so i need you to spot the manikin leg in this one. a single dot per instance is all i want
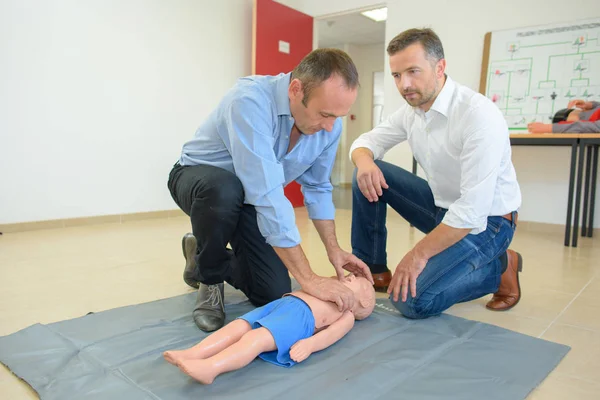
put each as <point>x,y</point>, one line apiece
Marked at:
<point>234,357</point>
<point>212,344</point>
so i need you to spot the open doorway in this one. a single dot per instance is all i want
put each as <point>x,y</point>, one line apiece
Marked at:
<point>362,36</point>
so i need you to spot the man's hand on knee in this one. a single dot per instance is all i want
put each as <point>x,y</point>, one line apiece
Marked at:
<point>406,275</point>
<point>371,181</point>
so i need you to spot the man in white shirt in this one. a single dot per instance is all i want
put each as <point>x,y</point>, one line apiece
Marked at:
<point>468,204</point>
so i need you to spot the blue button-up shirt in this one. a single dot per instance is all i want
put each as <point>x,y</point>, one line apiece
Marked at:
<point>249,134</point>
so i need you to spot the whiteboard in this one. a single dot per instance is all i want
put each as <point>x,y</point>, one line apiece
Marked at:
<point>531,73</point>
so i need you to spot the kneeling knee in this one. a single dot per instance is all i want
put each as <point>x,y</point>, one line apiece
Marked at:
<point>268,294</point>
<point>227,193</point>
<point>413,308</point>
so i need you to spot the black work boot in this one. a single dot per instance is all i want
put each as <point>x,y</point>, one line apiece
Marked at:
<point>189,246</point>
<point>209,311</point>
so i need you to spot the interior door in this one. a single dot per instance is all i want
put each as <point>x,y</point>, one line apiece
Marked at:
<point>281,37</point>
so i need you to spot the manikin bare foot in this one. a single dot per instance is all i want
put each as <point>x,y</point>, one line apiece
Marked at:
<point>175,356</point>
<point>200,370</point>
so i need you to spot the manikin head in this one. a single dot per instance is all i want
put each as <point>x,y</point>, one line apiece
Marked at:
<point>418,66</point>
<point>322,88</point>
<point>364,295</point>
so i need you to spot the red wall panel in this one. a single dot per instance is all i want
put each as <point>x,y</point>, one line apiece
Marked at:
<point>274,22</point>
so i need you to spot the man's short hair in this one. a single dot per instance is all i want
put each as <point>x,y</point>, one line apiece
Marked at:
<point>427,37</point>
<point>319,65</point>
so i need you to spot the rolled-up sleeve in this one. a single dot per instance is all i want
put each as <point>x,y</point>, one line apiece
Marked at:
<point>316,181</point>
<point>484,140</point>
<point>249,126</point>
<point>384,136</point>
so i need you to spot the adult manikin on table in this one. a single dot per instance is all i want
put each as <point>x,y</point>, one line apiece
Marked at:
<point>283,332</point>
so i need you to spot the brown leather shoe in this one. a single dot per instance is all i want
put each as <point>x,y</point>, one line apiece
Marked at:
<point>382,281</point>
<point>509,292</point>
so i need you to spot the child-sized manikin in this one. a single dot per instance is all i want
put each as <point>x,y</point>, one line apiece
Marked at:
<point>284,332</point>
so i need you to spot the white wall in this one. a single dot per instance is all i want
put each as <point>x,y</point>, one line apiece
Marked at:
<point>368,59</point>
<point>340,164</point>
<point>97,98</point>
<point>542,172</point>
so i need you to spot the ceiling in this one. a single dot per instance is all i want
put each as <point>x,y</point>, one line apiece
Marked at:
<point>350,29</point>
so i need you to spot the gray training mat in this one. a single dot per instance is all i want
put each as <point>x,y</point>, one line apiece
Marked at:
<point>117,354</point>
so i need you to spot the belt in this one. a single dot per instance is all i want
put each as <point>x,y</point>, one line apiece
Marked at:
<point>509,217</point>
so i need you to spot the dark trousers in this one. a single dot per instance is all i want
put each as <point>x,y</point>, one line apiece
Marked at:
<point>213,198</point>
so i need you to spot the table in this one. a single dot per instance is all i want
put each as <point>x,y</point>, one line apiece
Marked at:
<point>579,143</point>
<point>591,141</point>
<point>558,139</point>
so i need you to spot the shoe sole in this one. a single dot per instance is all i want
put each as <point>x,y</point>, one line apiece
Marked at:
<point>519,270</point>
<point>189,282</point>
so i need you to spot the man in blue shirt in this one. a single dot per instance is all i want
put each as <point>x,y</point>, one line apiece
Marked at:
<point>266,132</point>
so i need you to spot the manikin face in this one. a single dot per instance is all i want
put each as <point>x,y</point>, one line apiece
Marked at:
<point>418,78</point>
<point>357,285</point>
<point>326,102</point>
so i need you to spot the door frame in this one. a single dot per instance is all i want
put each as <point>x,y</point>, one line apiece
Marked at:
<point>339,14</point>
<point>340,155</point>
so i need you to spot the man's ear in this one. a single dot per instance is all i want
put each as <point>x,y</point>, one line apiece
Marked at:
<point>440,68</point>
<point>295,89</point>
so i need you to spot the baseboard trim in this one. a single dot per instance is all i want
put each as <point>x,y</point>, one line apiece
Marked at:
<point>542,227</point>
<point>537,227</point>
<point>103,219</point>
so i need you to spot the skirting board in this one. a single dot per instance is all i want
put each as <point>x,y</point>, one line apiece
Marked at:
<point>103,219</point>
<point>538,227</point>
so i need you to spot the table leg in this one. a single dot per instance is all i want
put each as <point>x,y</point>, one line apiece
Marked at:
<point>578,195</point>
<point>586,195</point>
<point>570,201</point>
<point>593,194</point>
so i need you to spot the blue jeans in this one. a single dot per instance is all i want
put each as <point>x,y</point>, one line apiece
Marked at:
<point>465,271</point>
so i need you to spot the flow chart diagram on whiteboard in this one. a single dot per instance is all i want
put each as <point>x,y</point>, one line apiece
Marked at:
<point>531,73</point>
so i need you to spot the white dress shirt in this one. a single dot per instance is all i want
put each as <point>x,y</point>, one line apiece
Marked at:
<point>463,145</point>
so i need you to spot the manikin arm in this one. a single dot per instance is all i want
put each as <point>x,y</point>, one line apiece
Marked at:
<point>302,349</point>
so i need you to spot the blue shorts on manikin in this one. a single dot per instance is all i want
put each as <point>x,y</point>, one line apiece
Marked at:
<point>289,320</point>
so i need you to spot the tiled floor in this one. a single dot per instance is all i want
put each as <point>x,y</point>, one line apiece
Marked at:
<point>52,275</point>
